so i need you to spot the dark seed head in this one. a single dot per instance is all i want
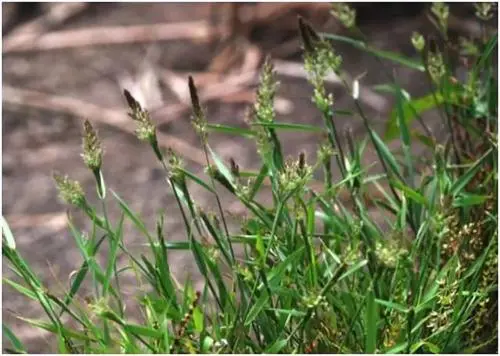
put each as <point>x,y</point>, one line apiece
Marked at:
<point>132,103</point>
<point>308,35</point>
<point>195,101</point>
<point>302,160</point>
<point>235,169</point>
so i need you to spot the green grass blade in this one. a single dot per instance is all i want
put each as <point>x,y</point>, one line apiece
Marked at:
<point>76,284</point>
<point>7,234</point>
<point>258,182</point>
<point>405,136</point>
<point>386,154</point>
<point>276,347</point>
<point>256,309</point>
<point>115,241</point>
<point>23,290</point>
<point>465,200</point>
<point>172,245</point>
<point>226,173</point>
<point>394,57</point>
<point>16,343</point>
<point>225,129</point>
<point>290,126</point>
<point>353,269</point>
<point>132,216</point>
<point>409,110</point>
<point>291,312</point>
<point>460,183</point>
<point>371,328</point>
<point>141,330</point>
<point>197,180</point>
<point>410,193</point>
<point>429,347</point>
<point>53,329</point>
<point>487,52</point>
<point>392,305</point>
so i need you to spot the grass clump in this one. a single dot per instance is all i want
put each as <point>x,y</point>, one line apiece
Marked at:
<point>316,274</point>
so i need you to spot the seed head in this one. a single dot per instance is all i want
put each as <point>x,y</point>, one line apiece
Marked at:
<point>442,12</point>
<point>92,150</point>
<point>146,130</point>
<point>199,121</point>
<point>175,164</point>
<point>484,10</point>
<point>418,41</point>
<point>263,110</point>
<point>308,35</point>
<point>325,151</point>
<point>345,14</point>
<point>70,191</point>
<point>195,101</point>
<point>302,161</point>
<point>235,169</point>
<point>294,175</point>
<point>436,66</point>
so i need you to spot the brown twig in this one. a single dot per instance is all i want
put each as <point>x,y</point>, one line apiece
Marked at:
<point>112,117</point>
<point>55,15</point>
<point>196,30</point>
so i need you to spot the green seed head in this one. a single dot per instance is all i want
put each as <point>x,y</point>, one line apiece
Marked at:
<point>175,164</point>
<point>484,10</point>
<point>199,120</point>
<point>418,41</point>
<point>294,175</point>
<point>70,191</point>
<point>263,110</point>
<point>146,130</point>
<point>345,14</point>
<point>92,150</point>
<point>442,12</point>
<point>235,169</point>
<point>436,66</point>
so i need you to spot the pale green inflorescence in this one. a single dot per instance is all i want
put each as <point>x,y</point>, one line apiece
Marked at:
<point>92,148</point>
<point>442,12</point>
<point>295,175</point>
<point>436,66</point>
<point>418,41</point>
<point>345,14</point>
<point>320,60</point>
<point>263,109</point>
<point>70,191</point>
<point>199,119</point>
<point>484,10</point>
<point>146,130</point>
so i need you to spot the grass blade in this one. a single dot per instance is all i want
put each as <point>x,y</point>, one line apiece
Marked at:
<point>16,343</point>
<point>371,323</point>
<point>394,57</point>
<point>7,234</point>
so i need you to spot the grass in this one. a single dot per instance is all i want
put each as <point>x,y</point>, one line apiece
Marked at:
<point>315,275</point>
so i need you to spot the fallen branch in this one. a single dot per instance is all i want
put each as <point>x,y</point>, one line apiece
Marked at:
<point>55,15</point>
<point>195,30</point>
<point>112,117</point>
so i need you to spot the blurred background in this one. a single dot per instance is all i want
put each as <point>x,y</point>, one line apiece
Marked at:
<point>66,62</point>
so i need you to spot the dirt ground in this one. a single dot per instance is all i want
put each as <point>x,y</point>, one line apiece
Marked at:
<point>51,85</point>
